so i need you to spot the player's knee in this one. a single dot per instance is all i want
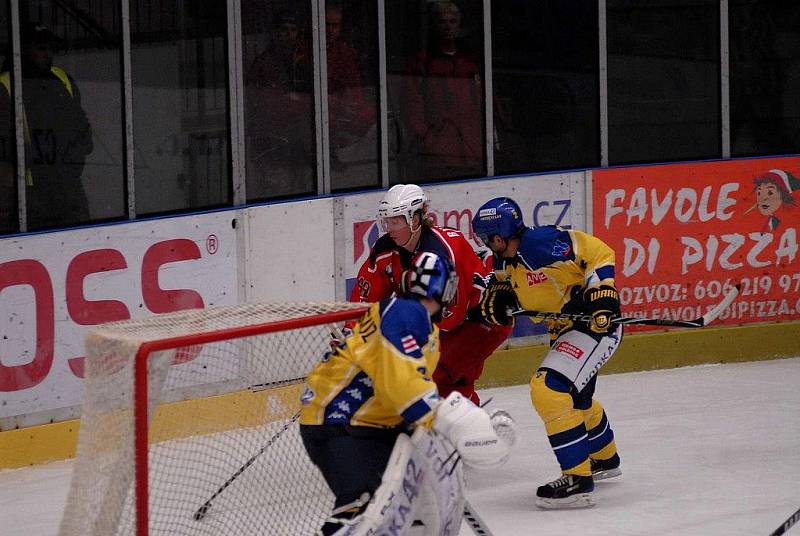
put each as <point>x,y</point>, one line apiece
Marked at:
<point>550,396</point>
<point>593,415</point>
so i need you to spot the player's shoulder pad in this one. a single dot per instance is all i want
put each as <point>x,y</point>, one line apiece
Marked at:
<point>541,246</point>
<point>384,244</point>
<point>453,237</point>
<point>434,241</point>
<point>406,324</point>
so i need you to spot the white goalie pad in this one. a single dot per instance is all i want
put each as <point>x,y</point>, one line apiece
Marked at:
<point>421,482</point>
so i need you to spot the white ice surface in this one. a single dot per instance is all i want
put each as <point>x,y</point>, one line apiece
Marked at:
<point>709,450</point>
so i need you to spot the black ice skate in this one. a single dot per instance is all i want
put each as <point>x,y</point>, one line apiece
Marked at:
<point>569,491</point>
<point>603,469</point>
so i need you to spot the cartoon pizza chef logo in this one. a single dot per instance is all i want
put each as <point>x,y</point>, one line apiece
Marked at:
<point>775,191</point>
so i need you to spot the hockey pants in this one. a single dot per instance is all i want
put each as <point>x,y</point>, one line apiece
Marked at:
<point>576,424</point>
<point>463,353</point>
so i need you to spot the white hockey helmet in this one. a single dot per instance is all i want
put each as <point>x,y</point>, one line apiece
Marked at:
<point>403,200</point>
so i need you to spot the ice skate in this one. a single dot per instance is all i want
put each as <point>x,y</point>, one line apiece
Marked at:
<point>568,491</point>
<point>604,469</point>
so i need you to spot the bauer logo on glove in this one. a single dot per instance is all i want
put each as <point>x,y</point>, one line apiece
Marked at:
<point>483,442</point>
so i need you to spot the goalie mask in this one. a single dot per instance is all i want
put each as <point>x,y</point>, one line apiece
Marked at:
<point>499,216</point>
<point>402,200</point>
<point>430,276</point>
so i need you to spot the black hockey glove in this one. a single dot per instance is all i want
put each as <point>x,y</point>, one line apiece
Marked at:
<point>603,304</point>
<point>498,300</point>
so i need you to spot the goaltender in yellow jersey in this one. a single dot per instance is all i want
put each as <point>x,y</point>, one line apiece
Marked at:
<point>381,376</point>
<point>376,386</point>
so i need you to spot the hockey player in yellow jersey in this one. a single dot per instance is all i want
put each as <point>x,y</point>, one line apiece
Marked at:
<point>551,269</point>
<point>377,385</point>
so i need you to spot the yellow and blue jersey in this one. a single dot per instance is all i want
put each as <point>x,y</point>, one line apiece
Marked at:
<point>381,375</point>
<point>552,264</point>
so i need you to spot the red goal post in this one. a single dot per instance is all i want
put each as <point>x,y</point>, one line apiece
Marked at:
<point>204,404</point>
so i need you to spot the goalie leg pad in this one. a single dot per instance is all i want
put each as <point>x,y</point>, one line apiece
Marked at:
<point>470,430</point>
<point>419,488</point>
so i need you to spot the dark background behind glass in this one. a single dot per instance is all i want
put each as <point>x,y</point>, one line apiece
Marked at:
<point>8,174</point>
<point>410,31</point>
<point>765,76</point>
<point>353,112</point>
<point>663,80</point>
<point>179,68</point>
<point>545,63</point>
<point>663,92</point>
<point>278,100</point>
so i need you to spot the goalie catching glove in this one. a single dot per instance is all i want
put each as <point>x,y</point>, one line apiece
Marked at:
<point>497,302</point>
<point>472,432</point>
<point>603,304</point>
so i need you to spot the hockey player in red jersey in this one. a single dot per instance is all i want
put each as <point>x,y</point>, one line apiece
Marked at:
<point>466,340</point>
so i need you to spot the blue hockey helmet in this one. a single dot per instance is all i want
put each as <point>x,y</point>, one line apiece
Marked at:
<point>499,216</point>
<point>430,276</point>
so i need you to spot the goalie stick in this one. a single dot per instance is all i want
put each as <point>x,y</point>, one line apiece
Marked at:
<point>794,518</point>
<point>474,521</point>
<point>700,322</point>
<point>201,512</point>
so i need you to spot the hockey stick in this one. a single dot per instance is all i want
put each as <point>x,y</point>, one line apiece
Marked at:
<point>474,521</point>
<point>794,518</point>
<point>201,512</point>
<point>700,322</point>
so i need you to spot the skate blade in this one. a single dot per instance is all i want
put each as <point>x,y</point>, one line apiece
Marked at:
<point>608,473</point>
<point>580,500</point>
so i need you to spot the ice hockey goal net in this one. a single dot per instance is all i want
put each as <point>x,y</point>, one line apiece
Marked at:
<point>205,404</point>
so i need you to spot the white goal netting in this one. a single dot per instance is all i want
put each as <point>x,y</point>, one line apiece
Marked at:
<point>222,409</point>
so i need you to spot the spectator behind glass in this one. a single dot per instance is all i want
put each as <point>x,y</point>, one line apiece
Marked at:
<point>58,136</point>
<point>350,115</point>
<point>445,101</point>
<point>280,118</point>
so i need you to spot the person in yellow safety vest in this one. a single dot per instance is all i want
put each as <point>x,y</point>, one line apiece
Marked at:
<point>58,137</point>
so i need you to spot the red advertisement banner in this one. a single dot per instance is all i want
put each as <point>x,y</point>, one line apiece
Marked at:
<point>685,233</point>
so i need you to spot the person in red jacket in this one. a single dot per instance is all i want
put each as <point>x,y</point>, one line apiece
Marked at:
<point>445,102</point>
<point>466,340</point>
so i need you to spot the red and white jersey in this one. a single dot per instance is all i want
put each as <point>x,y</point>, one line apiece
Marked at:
<point>379,277</point>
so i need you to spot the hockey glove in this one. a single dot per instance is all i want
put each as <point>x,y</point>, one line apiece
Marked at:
<point>469,428</point>
<point>603,304</point>
<point>496,303</point>
<point>338,337</point>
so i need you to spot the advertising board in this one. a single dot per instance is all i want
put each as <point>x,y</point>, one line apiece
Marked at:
<point>685,233</point>
<point>55,286</point>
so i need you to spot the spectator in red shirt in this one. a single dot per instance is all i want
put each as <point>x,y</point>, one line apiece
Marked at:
<point>445,101</point>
